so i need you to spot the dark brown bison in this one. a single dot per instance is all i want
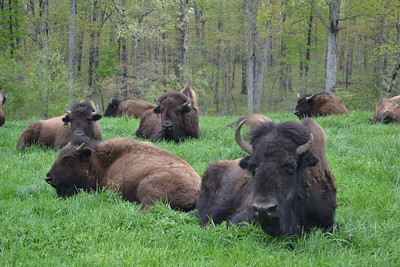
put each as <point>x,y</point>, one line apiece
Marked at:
<point>3,98</point>
<point>138,171</point>
<point>175,118</point>
<point>319,104</point>
<point>291,190</point>
<point>388,110</point>
<point>56,132</point>
<point>131,107</point>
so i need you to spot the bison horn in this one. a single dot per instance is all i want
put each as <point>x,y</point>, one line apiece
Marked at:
<point>298,95</point>
<point>80,148</point>
<point>303,148</point>
<point>240,141</point>
<point>309,97</point>
<point>96,110</point>
<point>67,110</point>
<point>186,103</point>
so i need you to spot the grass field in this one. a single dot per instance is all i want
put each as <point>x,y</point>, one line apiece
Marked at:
<point>37,228</point>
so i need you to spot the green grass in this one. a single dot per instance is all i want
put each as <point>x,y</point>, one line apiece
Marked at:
<point>39,229</point>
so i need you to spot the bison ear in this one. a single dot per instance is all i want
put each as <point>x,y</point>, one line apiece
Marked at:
<point>66,119</point>
<point>310,159</point>
<point>85,152</point>
<point>96,117</point>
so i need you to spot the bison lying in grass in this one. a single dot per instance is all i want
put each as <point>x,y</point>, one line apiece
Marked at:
<point>291,190</point>
<point>3,98</point>
<point>131,107</point>
<point>138,171</point>
<point>319,104</point>
<point>56,132</point>
<point>175,118</point>
<point>388,110</point>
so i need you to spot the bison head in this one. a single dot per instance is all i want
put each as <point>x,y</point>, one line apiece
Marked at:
<point>71,169</point>
<point>112,108</point>
<point>388,110</point>
<point>179,115</point>
<point>304,106</point>
<point>82,117</point>
<point>279,156</point>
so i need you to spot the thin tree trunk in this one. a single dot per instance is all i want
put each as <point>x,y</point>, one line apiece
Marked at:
<point>92,49</point>
<point>251,53</point>
<point>185,44</point>
<point>71,49</point>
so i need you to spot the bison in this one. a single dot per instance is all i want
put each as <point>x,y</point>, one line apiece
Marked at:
<point>292,189</point>
<point>131,107</point>
<point>56,132</point>
<point>388,110</point>
<point>319,104</point>
<point>175,118</point>
<point>3,98</point>
<point>138,171</point>
<point>250,119</point>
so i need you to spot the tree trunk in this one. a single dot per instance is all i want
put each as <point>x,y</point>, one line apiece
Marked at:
<point>71,49</point>
<point>308,50</point>
<point>92,49</point>
<point>185,78</point>
<point>251,53</point>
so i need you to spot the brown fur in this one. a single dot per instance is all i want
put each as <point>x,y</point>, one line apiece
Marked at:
<point>319,104</point>
<point>388,110</point>
<point>131,107</point>
<point>138,171</point>
<point>3,98</point>
<point>173,120</point>
<point>55,133</point>
<point>298,189</point>
<point>251,119</point>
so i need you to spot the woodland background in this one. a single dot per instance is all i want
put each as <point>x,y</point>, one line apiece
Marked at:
<point>240,56</point>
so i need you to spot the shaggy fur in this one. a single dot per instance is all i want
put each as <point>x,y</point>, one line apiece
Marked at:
<point>319,104</point>
<point>3,98</point>
<point>388,110</point>
<point>56,132</point>
<point>131,107</point>
<point>138,171</point>
<point>175,118</point>
<point>288,193</point>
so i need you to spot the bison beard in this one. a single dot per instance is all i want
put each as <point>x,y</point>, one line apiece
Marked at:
<point>292,189</point>
<point>138,171</point>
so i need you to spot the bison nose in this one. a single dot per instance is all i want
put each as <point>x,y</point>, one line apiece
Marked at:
<point>167,124</point>
<point>267,209</point>
<point>296,113</point>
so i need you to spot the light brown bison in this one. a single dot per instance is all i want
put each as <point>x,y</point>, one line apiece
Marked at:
<point>138,171</point>
<point>250,119</point>
<point>291,190</point>
<point>175,118</point>
<point>319,104</point>
<point>131,107</point>
<point>388,110</point>
<point>56,132</point>
<point>3,98</point>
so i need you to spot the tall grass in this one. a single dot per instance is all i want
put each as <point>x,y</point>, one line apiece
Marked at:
<point>37,228</point>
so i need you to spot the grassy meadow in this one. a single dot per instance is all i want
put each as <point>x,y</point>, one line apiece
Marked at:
<point>37,228</point>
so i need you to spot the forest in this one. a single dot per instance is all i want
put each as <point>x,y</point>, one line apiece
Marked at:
<point>240,56</point>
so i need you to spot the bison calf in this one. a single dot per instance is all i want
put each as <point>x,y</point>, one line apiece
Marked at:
<point>175,118</point>
<point>319,104</point>
<point>138,171</point>
<point>56,132</point>
<point>388,110</point>
<point>3,98</point>
<point>291,190</point>
<point>131,107</point>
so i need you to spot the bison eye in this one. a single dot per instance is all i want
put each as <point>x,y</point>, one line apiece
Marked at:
<point>67,160</point>
<point>157,110</point>
<point>291,168</point>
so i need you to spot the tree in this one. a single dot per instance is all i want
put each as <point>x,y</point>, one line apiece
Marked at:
<point>333,30</point>
<point>71,49</point>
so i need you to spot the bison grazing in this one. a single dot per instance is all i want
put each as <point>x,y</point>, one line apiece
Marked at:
<point>388,110</point>
<point>319,104</point>
<point>130,107</point>
<point>175,118</point>
<point>3,98</point>
<point>138,171</point>
<point>56,132</point>
<point>291,191</point>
